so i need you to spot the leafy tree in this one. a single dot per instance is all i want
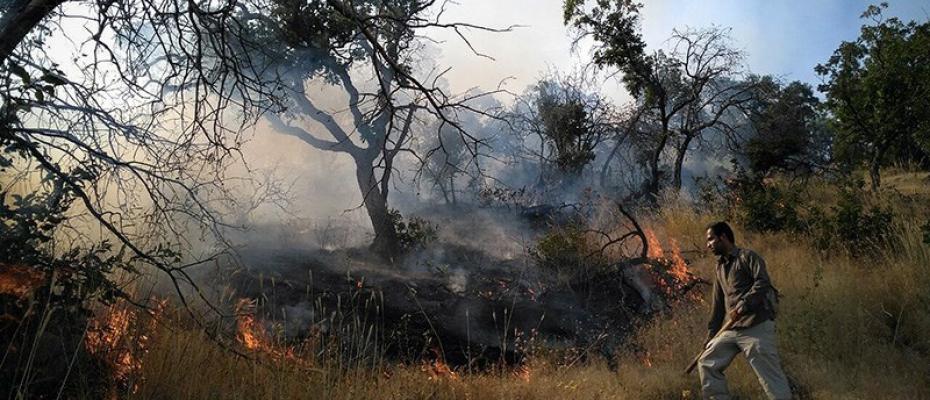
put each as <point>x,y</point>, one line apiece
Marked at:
<point>561,121</point>
<point>565,127</point>
<point>614,26</point>
<point>878,90</point>
<point>119,163</point>
<point>116,165</point>
<point>787,129</point>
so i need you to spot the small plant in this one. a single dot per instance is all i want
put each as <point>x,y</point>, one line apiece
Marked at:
<point>414,233</point>
<point>567,251</point>
<point>760,204</point>
<point>495,196</point>
<point>852,225</point>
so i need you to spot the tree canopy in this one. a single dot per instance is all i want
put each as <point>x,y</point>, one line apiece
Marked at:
<point>878,91</point>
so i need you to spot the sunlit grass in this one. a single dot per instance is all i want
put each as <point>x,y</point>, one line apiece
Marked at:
<point>848,329</point>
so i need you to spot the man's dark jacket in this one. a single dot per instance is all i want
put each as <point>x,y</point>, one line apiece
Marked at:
<point>742,281</point>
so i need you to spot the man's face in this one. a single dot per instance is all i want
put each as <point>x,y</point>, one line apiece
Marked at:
<point>715,243</point>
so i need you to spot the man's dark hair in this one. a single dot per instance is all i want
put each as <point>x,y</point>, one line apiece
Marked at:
<point>722,228</point>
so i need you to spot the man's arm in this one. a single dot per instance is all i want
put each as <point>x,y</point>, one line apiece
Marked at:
<point>754,299</point>
<point>718,310</point>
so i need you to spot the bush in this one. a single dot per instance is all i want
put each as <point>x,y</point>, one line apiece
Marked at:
<point>46,292</point>
<point>412,234</point>
<point>567,251</point>
<point>758,204</point>
<point>851,225</point>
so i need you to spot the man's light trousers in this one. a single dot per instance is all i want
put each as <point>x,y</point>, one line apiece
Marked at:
<point>759,346</point>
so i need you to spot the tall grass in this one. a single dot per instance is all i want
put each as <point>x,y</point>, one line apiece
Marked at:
<point>848,328</point>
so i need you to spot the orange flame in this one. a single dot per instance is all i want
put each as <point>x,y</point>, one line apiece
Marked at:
<point>19,280</point>
<point>523,372</point>
<point>439,370</point>
<point>673,280</point>
<point>253,335</point>
<point>655,249</point>
<point>250,333</point>
<point>119,339</point>
<point>679,268</point>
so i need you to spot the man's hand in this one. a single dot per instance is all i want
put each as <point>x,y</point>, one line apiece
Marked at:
<point>737,312</point>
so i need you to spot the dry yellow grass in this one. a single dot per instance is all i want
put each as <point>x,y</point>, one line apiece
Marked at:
<point>848,329</point>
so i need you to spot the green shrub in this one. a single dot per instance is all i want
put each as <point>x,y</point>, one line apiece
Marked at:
<point>47,287</point>
<point>567,251</point>
<point>412,234</point>
<point>852,225</point>
<point>758,204</point>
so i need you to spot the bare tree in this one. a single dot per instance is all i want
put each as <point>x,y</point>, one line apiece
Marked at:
<point>138,129</point>
<point>693,90</point>
<point>562,120</point>
<point>377,41</point>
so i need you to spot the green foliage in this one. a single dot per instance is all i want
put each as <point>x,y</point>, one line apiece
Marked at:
<point>852,226</point>
<point>786,126</point>
<point>878,90</point>
<point>560,247</point>
<point>412,234</point>
<point>48,317</point>
<point>566,126</point>
<point>568,252</point>
<point>27,239</point>
<point>758,204</point>
<point>30,218</point>
<point>614,26</point>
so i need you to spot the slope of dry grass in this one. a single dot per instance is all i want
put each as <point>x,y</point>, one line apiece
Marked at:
<point>848,329</point>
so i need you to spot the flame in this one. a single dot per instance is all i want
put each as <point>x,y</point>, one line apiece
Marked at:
<point>646,359</point>
<point>253,336</point>
<point>655,249</point>
<point>523,372</point>
<point>674,279</point>
<point>105,339</point>
<point>679,268</point>
<point>250,333</point>
<point>438,369</point>
<point>120,339</point>
<point>19,280</point>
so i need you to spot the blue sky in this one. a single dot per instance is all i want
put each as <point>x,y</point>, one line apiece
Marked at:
<point>786,38</point>
<point>782,37</point>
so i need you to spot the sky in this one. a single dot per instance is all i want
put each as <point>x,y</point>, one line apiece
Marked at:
<point>781,37</point>
<point>786,38</point>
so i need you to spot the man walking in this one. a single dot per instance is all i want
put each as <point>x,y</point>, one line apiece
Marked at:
<point>744,294</point>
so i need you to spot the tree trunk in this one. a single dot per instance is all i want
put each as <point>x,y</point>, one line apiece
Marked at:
<point>385,243</point>
<point>874,167</point>
<point>20,18</point>
<point>655,176</point>
<point>452,187</point>
<point>680,160</point>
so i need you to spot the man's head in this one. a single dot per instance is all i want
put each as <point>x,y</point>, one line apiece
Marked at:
<point>720,238</point>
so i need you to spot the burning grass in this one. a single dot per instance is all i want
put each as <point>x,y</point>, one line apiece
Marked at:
<point>846,329</point>
<point>19,280</point>
<point>118,338</point>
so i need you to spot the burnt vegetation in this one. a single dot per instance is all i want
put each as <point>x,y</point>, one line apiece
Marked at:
<point>497,228</point>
